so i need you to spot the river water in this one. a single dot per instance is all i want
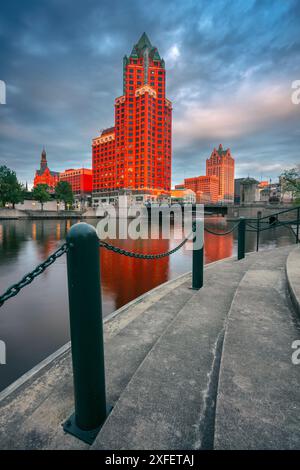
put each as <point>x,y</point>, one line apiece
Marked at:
<point>35,322</point>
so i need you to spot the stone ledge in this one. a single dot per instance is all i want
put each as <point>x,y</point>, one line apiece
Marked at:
<point>293,277</point>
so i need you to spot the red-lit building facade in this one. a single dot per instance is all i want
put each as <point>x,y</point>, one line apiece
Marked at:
<point>135,154</point>
<point>44,175</point>
<point>81,180</point>
<point>218,183</point>
<point>221,164</point>
<point>205,187</point>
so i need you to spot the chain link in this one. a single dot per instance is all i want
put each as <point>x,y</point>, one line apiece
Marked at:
<point>28,278</point>
<point>222,233</point>
<point>134,254</point>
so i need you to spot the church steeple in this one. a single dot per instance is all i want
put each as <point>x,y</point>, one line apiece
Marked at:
<point>43,160</point>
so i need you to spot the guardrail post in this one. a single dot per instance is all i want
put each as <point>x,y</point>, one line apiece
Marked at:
<point>298,223</point>
<point>241,238</point>
<point>198,242</point>
<point>257,231</point>
<point>83,264</point>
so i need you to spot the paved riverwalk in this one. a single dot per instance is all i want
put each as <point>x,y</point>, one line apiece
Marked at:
<point>185,369</point>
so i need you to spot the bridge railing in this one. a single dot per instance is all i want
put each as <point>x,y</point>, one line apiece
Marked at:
<point>85,310</point>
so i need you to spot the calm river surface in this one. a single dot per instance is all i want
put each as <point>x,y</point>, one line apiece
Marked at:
<point>35,322</point>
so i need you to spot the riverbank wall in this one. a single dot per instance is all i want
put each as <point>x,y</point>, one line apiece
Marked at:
<point>15,214</point>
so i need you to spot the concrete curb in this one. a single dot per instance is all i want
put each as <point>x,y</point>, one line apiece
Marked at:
<point>293,277</point>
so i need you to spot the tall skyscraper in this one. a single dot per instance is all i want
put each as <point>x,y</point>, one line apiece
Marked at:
<point>221,164</point>
<point>135,154</point>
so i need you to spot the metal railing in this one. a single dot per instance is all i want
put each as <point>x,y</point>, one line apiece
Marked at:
<point>275,220</point>
<point>85,307</point>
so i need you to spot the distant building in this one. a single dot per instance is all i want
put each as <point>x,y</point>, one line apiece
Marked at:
<point>44,175</point>
<point>221,164</point>
<point>249,191</point>
<point>205,187</point>
<point>135,154</point>
<point>81,181</point>
<point>263,184</point>
<point>183,196</point>
<point>218,183</point>
<point>237,190</point>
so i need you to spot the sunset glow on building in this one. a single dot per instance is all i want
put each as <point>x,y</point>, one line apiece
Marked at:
<point>218,183</point>
<point>221,164</point>
<point>135,154</point>
<point>80,179</point>
<point>205,187</point>
<point>44,175</point>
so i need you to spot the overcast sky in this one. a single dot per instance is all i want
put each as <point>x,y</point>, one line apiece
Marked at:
<point>230,66</point>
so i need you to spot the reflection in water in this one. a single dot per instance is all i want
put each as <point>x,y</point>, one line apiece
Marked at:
<point>35,323</point>
<point>58,234</point>
<point>33,231</point>
<point>126,278</point>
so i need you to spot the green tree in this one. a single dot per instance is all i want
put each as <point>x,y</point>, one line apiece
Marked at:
<point>41,194</point>
<point>63,192</point>
<point>290,182</point>
<point>11,190</point>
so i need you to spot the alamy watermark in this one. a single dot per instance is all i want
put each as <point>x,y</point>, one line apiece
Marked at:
<point>295,97</point>
<point>296,353</point>
<point>137,221</point>
<point>2,352</point>
<point>2,92</point>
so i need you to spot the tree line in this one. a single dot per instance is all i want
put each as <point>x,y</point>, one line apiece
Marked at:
<point>13,191</point>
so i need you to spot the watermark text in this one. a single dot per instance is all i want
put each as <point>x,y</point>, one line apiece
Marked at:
<point>296,94</point>
<point>2,92</point>
<point>2,352</point>
<point>296,353</point>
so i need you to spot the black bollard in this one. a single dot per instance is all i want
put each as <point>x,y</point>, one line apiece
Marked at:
<point>83,263</point>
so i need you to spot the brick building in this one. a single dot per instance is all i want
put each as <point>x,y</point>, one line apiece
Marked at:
<point>44,175</point>
<point>135,154</point>
<point>221,164</point>
<point>81,181</point>
<point>218,183</point>
<point>205,187</point>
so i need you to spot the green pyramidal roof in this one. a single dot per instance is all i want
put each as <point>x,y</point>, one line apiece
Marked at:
<point>134,52</point>
<point>144,41</point>
<point>156,55</point>
<point>144,44</point>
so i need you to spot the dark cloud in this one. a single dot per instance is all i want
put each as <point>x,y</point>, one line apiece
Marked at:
<point>230,68</point>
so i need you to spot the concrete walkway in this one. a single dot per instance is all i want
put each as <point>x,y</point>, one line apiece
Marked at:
<point>258,402</point>
<point>173,379</point>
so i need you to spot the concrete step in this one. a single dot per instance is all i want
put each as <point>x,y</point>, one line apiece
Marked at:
<point>126,350</point>
<point>129,334</point>
<point>258,401</point>
<point>169,402</point>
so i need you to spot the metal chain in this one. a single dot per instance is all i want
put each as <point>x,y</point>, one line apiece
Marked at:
<point>134,254</point>
<point>28,278</point>
<point>222,233</point>
<point>252,226</point>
